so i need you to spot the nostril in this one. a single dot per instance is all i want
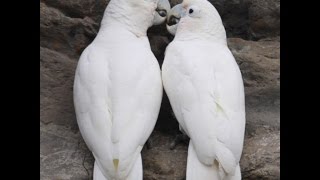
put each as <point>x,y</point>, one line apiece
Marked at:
<point>172,21</point>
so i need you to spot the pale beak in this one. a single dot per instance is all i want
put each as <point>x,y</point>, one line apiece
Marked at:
<point>173,18</point>
<point>162,10</point>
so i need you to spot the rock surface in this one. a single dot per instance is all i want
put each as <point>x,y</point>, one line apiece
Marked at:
<point>248,19</point>
<point>67,27</point>
<point>264,18</point>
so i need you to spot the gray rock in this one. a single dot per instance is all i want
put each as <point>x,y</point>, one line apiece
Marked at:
<point>65,34</point>
<point>264,18</point>
<point>63,154</point>
<point>161,163</point>
<point>78,8</point>
<point>261,155</point>
<point>250,19</point>
<point>56,84</point>
<point>259,62</point>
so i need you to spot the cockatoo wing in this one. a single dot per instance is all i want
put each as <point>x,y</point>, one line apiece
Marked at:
<point>117,96</point>
<point>205,89</point>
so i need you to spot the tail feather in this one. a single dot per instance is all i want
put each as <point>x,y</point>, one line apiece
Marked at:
<point>97,174</point>
<point>226,159</point>
<point>236,176</point>
<point>135,173</point>
<point>197,170</point>
<point>224,167</point>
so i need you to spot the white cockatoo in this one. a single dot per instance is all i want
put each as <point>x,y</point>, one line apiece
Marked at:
<point>118,88</point>
<point>205,88</point>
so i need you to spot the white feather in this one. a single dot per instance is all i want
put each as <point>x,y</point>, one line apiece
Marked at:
<point>117,95</point>
<point>197,170</point>
<point>97,174</point>
<point>205,88</point>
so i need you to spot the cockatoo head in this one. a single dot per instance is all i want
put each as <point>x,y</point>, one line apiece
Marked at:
<point>198,18</point>
<point>163,7</point>
<point>174,17</point>
<point>136,15</point>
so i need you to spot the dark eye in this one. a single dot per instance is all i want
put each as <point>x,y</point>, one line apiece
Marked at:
<point>190,11</point>
<point>162,13</point>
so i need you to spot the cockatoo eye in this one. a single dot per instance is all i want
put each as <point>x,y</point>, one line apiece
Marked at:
<point>162,13</point>
<point>194,11</point>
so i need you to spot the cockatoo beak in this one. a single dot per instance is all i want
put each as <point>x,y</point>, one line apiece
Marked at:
<point>173,18</point>
<point>163,7</point>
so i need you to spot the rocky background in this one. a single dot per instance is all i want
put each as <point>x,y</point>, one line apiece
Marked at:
<point>67,27</point>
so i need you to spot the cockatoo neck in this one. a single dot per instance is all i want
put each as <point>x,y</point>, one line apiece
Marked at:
<point>136,17</point>
<point>213,31</point>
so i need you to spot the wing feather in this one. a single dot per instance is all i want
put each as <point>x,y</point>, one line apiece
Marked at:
<point>205,89</point>
<point>117,102</point>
